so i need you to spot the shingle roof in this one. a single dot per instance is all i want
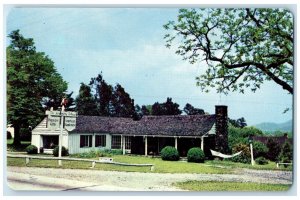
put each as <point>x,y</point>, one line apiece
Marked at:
<point>178,125</point>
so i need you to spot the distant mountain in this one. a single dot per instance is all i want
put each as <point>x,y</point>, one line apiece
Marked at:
<point>270,127</point>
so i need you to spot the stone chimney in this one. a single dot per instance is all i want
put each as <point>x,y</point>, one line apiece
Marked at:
<point>221,129</point>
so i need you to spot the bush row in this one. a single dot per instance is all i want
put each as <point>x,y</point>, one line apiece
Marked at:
<point>171,153</point>
<point>32,149</point>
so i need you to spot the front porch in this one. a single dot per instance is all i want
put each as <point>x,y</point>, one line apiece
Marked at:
<point>152,145</point>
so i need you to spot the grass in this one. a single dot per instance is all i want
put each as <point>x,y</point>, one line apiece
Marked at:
<point>209,167</point>
<point>270,166</point>
<point>160,165</point>
<point>230,186</point>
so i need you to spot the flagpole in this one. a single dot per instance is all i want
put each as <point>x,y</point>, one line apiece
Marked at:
<point>61,134</point>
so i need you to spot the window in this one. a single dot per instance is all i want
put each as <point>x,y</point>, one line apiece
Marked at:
<point>116,142</point>
<point>127,142</point>
<point>100,141</point>
<point>85,141</point>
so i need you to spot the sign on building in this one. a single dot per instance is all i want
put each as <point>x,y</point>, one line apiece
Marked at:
<point>70,123</point>
<point>53,122</point>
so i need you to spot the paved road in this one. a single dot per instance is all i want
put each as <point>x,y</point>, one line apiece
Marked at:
<point>31,178</point>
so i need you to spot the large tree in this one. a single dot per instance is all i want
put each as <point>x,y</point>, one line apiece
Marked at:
<point>85,101</point>
<point>191,110</point>
<point>123,105</point>
<point>31,78</point>
<point>167,108</point>
<point>242,48</point>
<point>103,94</point>
<point>111,101</point>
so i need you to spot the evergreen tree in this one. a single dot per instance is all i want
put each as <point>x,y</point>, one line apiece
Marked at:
<point>55,102</point>
<point>85,101</point>
<point>286,153</point>
<point>145,110</point>
<point>167,108</point>
<point>122,103</point>
<point>103,95</point>
<point>190,110</point>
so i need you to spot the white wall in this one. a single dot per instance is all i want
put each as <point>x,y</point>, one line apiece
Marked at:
<point>36,141</point>
<point>74,143</point>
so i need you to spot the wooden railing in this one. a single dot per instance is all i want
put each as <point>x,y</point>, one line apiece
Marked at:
<point>277,164</point>
<point>28,158</point>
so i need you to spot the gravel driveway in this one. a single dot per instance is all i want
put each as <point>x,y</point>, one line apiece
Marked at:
<point>95,180</point>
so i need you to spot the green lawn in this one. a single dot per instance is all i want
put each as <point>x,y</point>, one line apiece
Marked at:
<point>209,167</point>
<point>160,165</point>
<point>270,166</point>
<point>230,186</point>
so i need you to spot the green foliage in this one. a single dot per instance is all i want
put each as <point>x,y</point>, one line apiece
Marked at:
<point>240,135</point>
<point>261,161</point>
<point>167,108</point>
<point>31,79</point>
<point>239,123</point>
<point>85,101</point>
<point>31,149</point>
<point>111,101</point>
<point>286,154</point>
<point>274,149</point>
<point>146,110</point>
<point>64,151</point>
<point>98,153</point>
<point>190,110</point>
<point>245,156</point>
<point>259,149</point>
<point>55,102</point>
<point>169,153</point>
<point>243,47</point>
<point>195,155</point>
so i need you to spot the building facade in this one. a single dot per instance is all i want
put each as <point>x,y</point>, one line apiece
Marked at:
<point>146,136</point>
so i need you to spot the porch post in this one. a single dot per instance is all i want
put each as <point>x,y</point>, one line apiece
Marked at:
<point>123,144</point>
<point>176,142</point>
<point>146,146</point>
<point>202,143</point>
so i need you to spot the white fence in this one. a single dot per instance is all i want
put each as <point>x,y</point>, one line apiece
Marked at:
<point>93,162</point>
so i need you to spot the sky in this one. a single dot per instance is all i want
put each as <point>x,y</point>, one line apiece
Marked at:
<point>127,45</point>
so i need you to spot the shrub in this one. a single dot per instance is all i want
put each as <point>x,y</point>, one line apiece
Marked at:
<point>274,149</point>
<point>286,154</point>
<point>98,153</point>
<point>261,161</point>
<point>41,149</point>
<point>241,135</point>
<point>195,155</point>
<point>169,153</point>
<point>31,149</point>
<point>64,151</point>
<point>245,156</point>
<point>259,149</point>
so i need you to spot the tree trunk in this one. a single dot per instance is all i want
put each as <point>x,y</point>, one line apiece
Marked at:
<point>17,141</point>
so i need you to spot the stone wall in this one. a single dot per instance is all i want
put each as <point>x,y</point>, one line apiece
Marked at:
<point>221,129</point>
